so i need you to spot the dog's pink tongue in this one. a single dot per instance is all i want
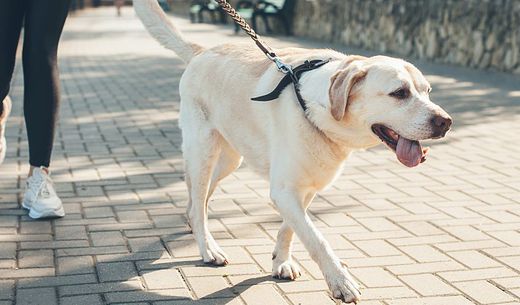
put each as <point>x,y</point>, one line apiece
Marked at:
<point>409,152</point>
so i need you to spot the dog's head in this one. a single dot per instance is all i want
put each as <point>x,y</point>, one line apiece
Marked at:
<point>387,99</point>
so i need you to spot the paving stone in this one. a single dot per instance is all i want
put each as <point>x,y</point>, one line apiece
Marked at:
<point>451,300</point>
<point>484,292</point>
<point>466,233</point>
<point>379,261</point>
<point>375,277</point>
<point>168,221</point>
<point>377,248</point>
<point>92,250</point>
<point>428,285</point>
<point>422,240</point>
<point>387,293</point>
<point>91,299</point>
<point>65,290</point>
<point>502,251</point>
<point>219,301</point>
<point>132,216</point>
<point>300,285</point>
<point>474,259</point>
<point>35,227</point>
<point>238,255</point>
<point>477,274</point>
<point>228,270</point>
<point>100,239</point>
<point>60,280</point>
<point>6,289</point>
<point>8,221</point>
<point>100,212</point>
<point>421,228</point>
<point>425,253</point>
<point>116,271</point>
<point>511,238</point>
<point>378,224</point>
<point>163,279</point>
<point>8,250</point>
<point>75,265</point>
<point>36,296</point>
<point>511,282</point>
<point>311,298</point>
<point>210,287</point>
<point>131,297</point>
<point>35,258</point>
<point>53,244</point>
<point>7,263</point>
<point>262,295</point>
<point>26,237</point>
<point>247,231</point>
<point>156,255</point>
<point>145,244</point>
<point>70,233</point>
<point>27,272</point>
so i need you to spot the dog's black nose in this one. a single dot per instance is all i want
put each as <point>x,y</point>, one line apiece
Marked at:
<point>441,124</point>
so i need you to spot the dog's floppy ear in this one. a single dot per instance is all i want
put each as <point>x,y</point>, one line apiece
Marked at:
<point>341,85</point>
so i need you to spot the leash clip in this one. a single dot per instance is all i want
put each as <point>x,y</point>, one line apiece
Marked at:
<point>280,65</point>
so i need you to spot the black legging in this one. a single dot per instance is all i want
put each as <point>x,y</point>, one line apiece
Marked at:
<point>43,22</point>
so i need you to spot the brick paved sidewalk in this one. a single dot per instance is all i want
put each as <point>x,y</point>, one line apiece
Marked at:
<point>446,233</point>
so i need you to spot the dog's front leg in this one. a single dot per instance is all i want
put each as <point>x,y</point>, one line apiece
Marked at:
<point>283,265</point>
<point>290,203</point>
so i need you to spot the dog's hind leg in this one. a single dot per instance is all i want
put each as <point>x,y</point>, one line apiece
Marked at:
<point>283,265</point>
<point>201,150</point>
<point>229,160</point>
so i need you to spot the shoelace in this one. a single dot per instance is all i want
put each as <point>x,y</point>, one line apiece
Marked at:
<point>45,189</point>
<point>36,183</point>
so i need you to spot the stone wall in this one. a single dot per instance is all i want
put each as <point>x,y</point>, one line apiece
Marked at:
<point>474,33</point>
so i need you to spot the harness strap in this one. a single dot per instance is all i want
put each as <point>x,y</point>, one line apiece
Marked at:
<point>291,75</point>
<point>294,78</point>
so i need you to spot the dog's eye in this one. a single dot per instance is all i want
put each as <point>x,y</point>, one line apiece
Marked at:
<point>401,93</point>
<point>429,89</point>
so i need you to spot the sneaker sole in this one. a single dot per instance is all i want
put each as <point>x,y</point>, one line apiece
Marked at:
<point>25,206</point>
<point>46,214</point>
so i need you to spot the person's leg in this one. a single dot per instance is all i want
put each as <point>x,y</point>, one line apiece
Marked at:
<point>11,17</point>
<point>119,4</point>
<point>44,22</point>
<point>5,107</point>
<point>43,26</point>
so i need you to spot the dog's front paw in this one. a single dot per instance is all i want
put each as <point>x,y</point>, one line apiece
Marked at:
<point>213,255</point>
<point>343,286</point>
<point>286,270</point>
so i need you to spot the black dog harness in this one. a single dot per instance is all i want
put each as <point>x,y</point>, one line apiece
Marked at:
<point>293,76</point>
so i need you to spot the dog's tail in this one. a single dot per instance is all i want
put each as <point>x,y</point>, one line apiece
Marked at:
<point>160,27</point>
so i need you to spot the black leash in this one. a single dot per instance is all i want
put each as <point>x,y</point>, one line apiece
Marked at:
<point>292,75</point>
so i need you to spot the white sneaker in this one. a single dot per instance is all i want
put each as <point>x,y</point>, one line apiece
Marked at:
<point>5,110</point>
<point>40,197</point>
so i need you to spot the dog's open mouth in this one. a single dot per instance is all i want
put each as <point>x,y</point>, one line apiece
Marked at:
<point>409,152</point>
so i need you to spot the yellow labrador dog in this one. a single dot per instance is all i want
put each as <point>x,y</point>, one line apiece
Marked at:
<point>352,102</point>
